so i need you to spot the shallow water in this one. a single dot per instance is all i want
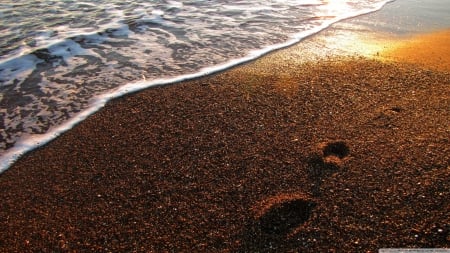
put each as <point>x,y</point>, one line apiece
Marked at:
<point>408,17</point>
<point>60,61</point>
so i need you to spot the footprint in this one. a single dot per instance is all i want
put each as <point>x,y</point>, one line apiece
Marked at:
<point>328,156</point>
<point>396,109</point>
<point>282,218</point>
<point>326,159</point>
<point>275,220</point>
<point>338,149</point>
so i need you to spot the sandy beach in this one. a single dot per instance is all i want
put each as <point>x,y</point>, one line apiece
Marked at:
<point>347,153</point>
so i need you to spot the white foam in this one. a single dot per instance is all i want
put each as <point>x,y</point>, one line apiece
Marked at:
<point>17,69</point>
<point>25,145</point>
<point>175,4</point>
<point>57,35</point>
<point>67,49</point>
<point>87,3</point>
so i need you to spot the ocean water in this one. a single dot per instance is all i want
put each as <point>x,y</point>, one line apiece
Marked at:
<point>62,60</point>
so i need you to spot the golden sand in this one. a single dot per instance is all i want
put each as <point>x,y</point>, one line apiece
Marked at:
<point>351,156</point>
<point>430,50</point>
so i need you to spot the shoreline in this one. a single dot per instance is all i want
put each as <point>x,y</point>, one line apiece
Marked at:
<point>347,153</point>
<point>33,141</point>
<point>344,154</point>
<point>341,41</point>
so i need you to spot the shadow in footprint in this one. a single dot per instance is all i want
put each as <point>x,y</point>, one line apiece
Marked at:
<point>284,217</point>
<point>337,149</point>
<point>276,220</point>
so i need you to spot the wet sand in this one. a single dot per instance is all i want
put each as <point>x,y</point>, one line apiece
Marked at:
<point>344,154</point>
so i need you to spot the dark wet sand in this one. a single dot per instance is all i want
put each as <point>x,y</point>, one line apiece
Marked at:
<point>346,154</point>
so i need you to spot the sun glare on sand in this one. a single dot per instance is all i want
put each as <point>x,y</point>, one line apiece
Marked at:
<point>430,50</point>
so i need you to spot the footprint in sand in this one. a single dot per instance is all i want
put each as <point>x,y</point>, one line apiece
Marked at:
<point>282,215</point>
<point>334,152</point>
<point>327,158</point>
<point>276,219</point>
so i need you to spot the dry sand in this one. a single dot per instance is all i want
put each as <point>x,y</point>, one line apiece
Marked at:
<point>346,154</point>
